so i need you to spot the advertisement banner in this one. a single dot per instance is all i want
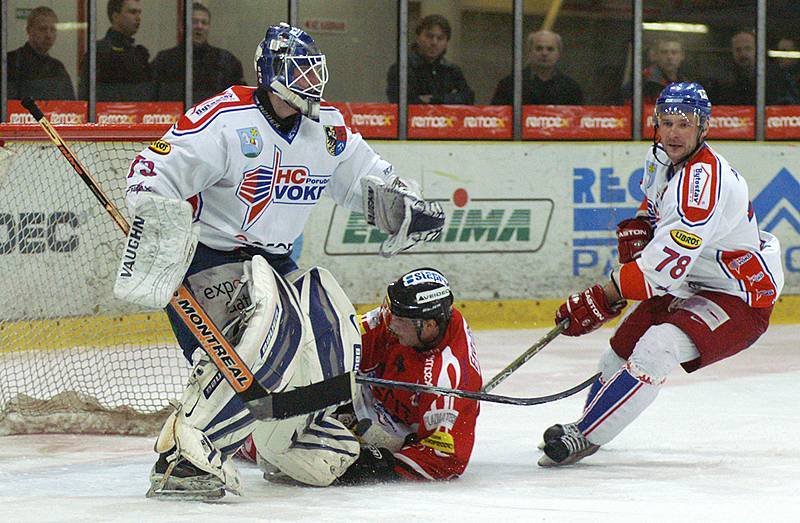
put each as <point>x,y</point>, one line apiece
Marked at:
<point>728,122</point>
<point>783,122</point>
<point>536,220</point>
<point>471,226</point>
<point>139,112</point>
<point>57,111</point>
<point>372,120</point>
<point>486,122</point>
<point>576,122</point>
<point>524,220</point>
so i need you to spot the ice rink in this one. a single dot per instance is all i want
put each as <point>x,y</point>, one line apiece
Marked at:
<point>719,445</point>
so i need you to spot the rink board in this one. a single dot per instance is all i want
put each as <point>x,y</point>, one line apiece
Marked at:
<point>528,221</point>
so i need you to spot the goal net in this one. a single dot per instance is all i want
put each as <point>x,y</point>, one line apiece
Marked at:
<point>72,357</point>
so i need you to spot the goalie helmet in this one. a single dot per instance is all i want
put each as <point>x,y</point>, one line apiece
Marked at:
<point>421,294</point>
<point>289,63</point>
<point>688,99</point>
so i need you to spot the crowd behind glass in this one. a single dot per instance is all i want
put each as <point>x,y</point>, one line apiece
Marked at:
<point>574,60</point>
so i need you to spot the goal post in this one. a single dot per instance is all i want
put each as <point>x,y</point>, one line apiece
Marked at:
<point>72,357</point>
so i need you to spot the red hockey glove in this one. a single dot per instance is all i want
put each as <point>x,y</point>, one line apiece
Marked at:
<point>587,310</point>
<point>633,235</point>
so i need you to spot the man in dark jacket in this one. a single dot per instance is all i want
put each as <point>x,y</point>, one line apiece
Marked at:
<point>213,69</point>
<point>31,71</point>
<point>739,88</point>
<point>431,79</point>
<point>123,68</point>
<point>542,82</point>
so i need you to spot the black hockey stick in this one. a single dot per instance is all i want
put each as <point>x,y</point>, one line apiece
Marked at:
<point>479,396</point>
<point>525,356</point>
<point>262,404</point>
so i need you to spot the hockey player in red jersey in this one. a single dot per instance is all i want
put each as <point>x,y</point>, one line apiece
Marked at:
<point>416,336</point>
<point>703,274</point>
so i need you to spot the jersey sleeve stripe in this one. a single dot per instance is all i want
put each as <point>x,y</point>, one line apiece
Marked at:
<point>632,283</point>
<point>195,130</point>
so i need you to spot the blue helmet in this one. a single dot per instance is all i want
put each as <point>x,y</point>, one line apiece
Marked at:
<point>684,98</point>
<point>289,63</point>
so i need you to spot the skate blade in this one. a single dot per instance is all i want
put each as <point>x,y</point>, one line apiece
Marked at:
<point>185,495</point>
<point>546,462</point>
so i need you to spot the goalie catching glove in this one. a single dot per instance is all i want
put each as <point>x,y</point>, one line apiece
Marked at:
<point>398,210</point>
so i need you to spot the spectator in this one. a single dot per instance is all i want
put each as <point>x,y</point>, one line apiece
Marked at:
<point>782,88</point>
<point>542,82</point>
<point>431,78</point>
<point>740,87</point>
<point>31,71</point>
<point>665,70</point>
<point>214,69</point>
<point>123,69</point>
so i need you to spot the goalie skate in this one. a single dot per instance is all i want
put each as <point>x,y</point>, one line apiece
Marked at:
<point>179,479</point>
<point>567,448</point>
<point>554,432</point>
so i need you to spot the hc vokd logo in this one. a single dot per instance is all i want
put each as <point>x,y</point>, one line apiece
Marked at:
<point>777,208</point>
<point>278,184</point>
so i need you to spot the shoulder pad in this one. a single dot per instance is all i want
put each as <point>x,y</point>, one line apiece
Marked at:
<point>233,98</point>
<point>699,188</point>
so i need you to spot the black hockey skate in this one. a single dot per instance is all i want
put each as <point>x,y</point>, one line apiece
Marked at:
<point>173,478</point>
<point>565,445</point>
<point>554,432</point>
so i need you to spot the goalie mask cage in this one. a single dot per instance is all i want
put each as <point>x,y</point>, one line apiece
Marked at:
<point>73,358</point>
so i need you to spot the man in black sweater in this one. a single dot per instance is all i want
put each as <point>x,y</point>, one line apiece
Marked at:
<point>214,69</point>
<point>431,78</point>
<point>123,68</point>
<point>542,82</point>
<point>31,70</point>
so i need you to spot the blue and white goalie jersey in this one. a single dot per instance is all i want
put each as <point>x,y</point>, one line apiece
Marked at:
<point>249,183</point>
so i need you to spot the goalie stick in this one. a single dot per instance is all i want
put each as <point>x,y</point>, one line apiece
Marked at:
<point>262,404</point>
<point>479,396</point>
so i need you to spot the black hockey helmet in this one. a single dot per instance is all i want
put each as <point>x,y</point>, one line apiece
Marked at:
<point>421,294</point>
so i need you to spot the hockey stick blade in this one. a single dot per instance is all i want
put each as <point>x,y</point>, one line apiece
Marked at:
<point>525,356</point>
<point>262,404</point>
<point>478,396</point>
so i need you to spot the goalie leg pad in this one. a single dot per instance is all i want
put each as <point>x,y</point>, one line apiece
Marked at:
<point>320,449</point>
<point>333,326</point>
<point>158,250</point>
<point>317,449</point>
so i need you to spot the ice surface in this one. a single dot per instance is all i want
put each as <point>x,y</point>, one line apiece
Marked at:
<point>717,445</point>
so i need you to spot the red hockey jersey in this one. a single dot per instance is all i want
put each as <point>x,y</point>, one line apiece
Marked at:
<point>439,431</point>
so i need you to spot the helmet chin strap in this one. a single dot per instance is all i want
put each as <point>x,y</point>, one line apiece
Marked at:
<point>423,346</point>
<point>682,160</point>
<point>306,107</point>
